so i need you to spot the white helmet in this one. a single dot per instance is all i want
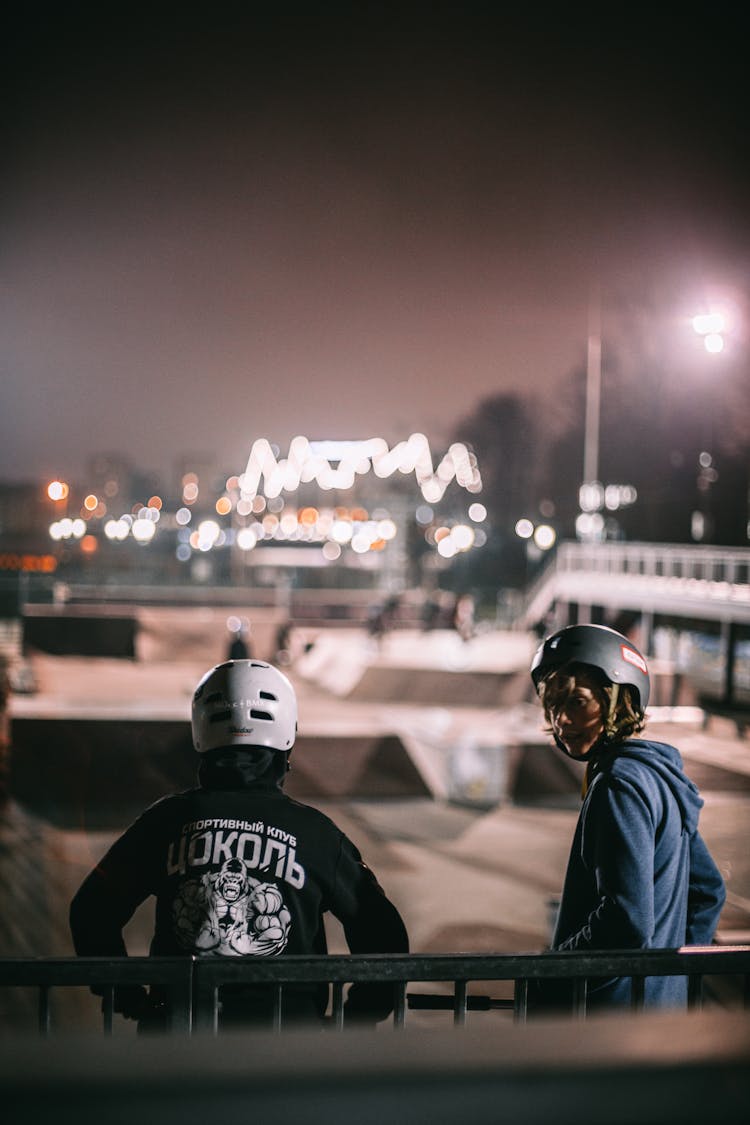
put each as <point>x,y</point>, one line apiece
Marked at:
<point>244,703</point>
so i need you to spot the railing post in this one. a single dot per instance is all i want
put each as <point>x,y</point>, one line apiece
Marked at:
<point>108,1007</point>
<point>399,1004</point>
<point>205,1004</point>
<point>180,1001</point>
<point>459,1003</point>
<point>637,993</point>
<point>338,1004</point>
<point>276,1014</point>
<point>695,991</point>
<point>580,997</point>
<point>521,1000</point>
<point>44,1013</point>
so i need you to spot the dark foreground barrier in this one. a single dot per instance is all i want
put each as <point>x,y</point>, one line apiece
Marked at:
<point>191,985</point>
<point>646,1069</point>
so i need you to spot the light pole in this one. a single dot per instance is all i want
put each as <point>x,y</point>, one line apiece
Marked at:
<point>594,497</point>
<point>593,392</point>
<point>590,524</point>
<point>712,327</point>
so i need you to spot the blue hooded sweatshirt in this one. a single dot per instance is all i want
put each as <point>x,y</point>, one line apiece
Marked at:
<point>639,874</point>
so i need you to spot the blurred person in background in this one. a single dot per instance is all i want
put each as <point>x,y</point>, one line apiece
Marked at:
<point>239,647</point>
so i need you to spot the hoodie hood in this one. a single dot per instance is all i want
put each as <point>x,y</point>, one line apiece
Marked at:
<point>243,768</point>
<point>664,762</point>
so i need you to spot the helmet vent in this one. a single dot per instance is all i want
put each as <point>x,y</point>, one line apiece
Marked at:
<point>267,695</point>
<point>214,697</point>
<point>255,714</point>
<point>220,716</point>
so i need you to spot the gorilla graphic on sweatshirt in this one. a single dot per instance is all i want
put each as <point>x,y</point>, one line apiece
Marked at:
<point>229,913</point>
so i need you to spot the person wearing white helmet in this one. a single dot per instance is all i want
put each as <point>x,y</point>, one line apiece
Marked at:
<point>237,867</point>
<point>639,874</point>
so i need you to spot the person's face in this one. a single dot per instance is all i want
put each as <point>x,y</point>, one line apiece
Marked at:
<point>576,713</point>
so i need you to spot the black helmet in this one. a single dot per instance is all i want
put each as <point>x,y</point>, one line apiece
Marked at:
<point>600,647</point>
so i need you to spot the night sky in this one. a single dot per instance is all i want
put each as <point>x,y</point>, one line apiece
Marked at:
<point>305,223</point>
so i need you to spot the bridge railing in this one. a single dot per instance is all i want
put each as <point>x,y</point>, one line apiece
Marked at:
<point>708,579</point>
<point>660,560</point>
<point>191,986</point>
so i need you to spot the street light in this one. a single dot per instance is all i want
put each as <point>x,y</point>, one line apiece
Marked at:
<point>57,490</point>
<point>711,327</point>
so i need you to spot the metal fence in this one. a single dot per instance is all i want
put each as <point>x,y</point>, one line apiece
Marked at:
<point>701,581</point>
<point>191,985</point>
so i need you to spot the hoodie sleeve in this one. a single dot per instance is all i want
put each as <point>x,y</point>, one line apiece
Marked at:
<point>111,893</point>
<point>617,848</point>
<point>706,894</point>
<point>372,924</point>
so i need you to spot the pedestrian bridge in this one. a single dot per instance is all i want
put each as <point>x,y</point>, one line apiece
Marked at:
<point>672,593</point>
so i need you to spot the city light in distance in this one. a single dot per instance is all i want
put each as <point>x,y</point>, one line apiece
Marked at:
<point>143,529</point>
<point>336,465</point>
<point>57,490</point>
<point>68,529</point>
<point>543,535</point>
<point>257,506</point>
<point>118,530</point>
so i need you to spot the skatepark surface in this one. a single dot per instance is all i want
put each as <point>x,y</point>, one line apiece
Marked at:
<point>428,752</point>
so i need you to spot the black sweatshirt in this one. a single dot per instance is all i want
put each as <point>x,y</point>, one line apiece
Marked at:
<point>239,872</point>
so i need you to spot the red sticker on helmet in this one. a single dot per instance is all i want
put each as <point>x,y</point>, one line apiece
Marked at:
<point>633,657</point>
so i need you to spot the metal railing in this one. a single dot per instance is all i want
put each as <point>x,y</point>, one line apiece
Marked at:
<point>173,976</point>
<point>703,580</point>
<point>191,986</point>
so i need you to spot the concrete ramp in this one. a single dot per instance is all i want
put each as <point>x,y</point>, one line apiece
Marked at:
<point>354,768</point>
<point>545,776</point>
<point>99,774</point>
<point>432,686</point>
<point>408,666</point>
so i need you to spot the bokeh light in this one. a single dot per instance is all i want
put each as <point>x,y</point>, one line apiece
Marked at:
<point>57,490</point>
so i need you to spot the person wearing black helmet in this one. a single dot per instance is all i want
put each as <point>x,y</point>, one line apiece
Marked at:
<point>238,868</point>
<point>639,874</point>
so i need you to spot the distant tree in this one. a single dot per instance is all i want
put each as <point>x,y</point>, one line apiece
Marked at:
<point>662,408</point>
<point>663,411</point>
<point>503,431</point>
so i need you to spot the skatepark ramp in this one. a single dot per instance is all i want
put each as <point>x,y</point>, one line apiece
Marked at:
<point>409,666</point>
<point>100,773</point>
